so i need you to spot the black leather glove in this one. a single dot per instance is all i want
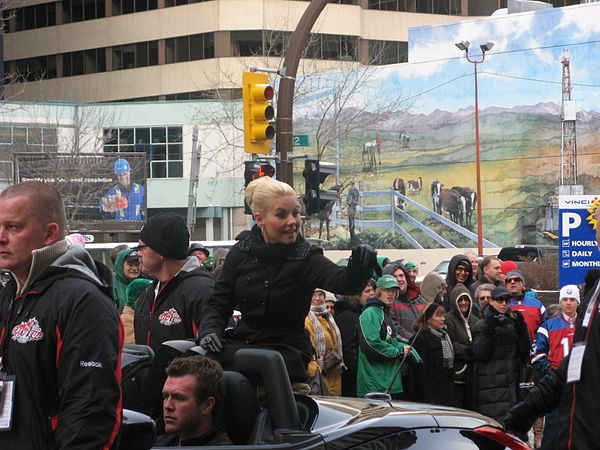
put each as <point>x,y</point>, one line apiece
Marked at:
<point>520,325</point>
<point>366,256</point>
<point>519,419</point>
<point>211,342</point>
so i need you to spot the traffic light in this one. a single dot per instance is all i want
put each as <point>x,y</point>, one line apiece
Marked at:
<point>315,172</point>
<point>252,171</point>
<point>257,94</point>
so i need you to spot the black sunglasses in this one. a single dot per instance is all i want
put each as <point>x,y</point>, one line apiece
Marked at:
<point>514,280</point>
<point>140,247</point>
<point>502,300</point>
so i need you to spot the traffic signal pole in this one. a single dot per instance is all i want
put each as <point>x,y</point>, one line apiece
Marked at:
<point>285,99</point>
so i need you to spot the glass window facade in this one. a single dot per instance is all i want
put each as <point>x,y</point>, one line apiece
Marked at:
<point>162,145</point>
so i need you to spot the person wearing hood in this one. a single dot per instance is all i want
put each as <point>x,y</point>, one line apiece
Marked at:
<point>127,269</point>
<point>347,313</point>
<point>433,288</point>
<point>408,303</point>
<point>459,271</point>
<point>380,351</point>
<point>435,379</point>
<point>501,348</point>
<point>60,334</point>
<point>459,323</point>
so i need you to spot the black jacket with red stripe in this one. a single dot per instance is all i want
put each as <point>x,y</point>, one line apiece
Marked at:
<point>173,313</point>
<point>62,340</point>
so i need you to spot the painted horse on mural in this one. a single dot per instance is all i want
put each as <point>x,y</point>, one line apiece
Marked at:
<point>453,204</point>
<point>414,186</point>
<point>470,196</point>
<point>399,187</point>
<point>436,190</point>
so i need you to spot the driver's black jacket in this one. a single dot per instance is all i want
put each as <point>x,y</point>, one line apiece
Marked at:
<point>62,339</point>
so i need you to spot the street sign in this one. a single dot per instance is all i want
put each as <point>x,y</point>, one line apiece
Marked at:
<point>578,248</point>
<point>300,140</point>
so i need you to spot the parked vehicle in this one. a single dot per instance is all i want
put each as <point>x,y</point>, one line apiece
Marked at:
<point>525,253</point>
<point>284,420</point>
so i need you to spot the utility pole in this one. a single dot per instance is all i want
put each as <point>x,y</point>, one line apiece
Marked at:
<point>193,189</point>
<point>285,100</point>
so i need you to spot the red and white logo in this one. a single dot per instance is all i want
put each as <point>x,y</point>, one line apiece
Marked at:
<point>169,317</point>
<point>27,331</point>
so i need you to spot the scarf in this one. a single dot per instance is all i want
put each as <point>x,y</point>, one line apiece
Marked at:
<point>319,334</point>
<point>447,348</point>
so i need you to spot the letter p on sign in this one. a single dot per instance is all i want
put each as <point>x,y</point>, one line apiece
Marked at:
<point>570,221</point>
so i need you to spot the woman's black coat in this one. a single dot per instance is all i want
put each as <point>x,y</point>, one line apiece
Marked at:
<point>435,383</point>
<point>272,286</point>
<point>499,354</point>
<point>347,318</point>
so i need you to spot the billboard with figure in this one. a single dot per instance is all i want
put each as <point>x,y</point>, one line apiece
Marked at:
<point>100,188</point>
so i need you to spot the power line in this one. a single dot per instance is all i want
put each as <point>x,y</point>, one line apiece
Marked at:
<point>537,79</point>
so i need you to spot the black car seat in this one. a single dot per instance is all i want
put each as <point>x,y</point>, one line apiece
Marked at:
<point>135,363</point>
<point>240,413</point>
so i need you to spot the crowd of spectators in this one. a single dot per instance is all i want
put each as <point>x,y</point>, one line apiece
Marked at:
<point>470,340</point>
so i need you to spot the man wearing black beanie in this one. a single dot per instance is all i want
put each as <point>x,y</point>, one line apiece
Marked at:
<point>169,309</point>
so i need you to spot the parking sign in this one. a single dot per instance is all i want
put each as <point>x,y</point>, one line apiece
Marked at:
<point>578,248</point>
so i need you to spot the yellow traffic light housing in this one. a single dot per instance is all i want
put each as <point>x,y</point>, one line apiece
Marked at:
<point>257,94</point>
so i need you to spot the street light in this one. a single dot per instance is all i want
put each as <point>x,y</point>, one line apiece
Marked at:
<point>464,46</point>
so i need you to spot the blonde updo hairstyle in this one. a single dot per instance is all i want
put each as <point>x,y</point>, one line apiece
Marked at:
<point>261,193</point>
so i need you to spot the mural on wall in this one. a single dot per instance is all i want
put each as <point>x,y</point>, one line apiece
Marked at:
<point>427,133</point>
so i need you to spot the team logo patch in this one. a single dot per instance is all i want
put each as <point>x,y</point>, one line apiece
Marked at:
<point>169,317</point>
<point>27,331</point>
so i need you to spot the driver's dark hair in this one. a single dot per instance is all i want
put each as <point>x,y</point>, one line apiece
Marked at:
<point>208,374</point>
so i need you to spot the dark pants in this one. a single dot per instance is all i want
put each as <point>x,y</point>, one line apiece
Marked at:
<point>551,423</point>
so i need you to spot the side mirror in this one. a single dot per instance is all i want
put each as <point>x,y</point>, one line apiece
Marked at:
<point>138,431</point>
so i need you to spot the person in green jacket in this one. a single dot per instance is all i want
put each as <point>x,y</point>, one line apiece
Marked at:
<point>380,352</point>
<point>127,269</point>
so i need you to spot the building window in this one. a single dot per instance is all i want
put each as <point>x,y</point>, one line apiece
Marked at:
<point>37,16</point>
<point>130,56</point>
<point>247,43</point>
<point>163,147</point>
<point>391,5</point>
<point>387,52</point>
<point>79,10</point>
<point>451,7</point>
<point>31,69</point>
<point>190,48</point>
<point>84,62</point>
<point>169,3</point>
<point>14,139</point>
<point>120,7</point>
<point>333,47</point>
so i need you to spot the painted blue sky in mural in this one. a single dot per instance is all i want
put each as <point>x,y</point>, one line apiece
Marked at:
<point>523,68</point>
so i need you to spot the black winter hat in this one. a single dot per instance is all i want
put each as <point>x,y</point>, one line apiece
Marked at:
<point>167,235</point>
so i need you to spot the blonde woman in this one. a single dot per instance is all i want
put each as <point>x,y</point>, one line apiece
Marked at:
<point>270,275</point>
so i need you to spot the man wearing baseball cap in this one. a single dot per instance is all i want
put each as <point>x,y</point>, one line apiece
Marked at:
<point>125,200</point>
<point>553,342</point>
<point>534,312</point>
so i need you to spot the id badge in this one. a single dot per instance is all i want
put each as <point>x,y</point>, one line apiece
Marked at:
<point>575,363</point>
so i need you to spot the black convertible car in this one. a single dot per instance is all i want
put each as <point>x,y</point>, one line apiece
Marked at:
<point>280,419</point>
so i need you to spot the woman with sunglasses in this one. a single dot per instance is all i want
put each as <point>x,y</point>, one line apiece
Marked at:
<point>500,349</point>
